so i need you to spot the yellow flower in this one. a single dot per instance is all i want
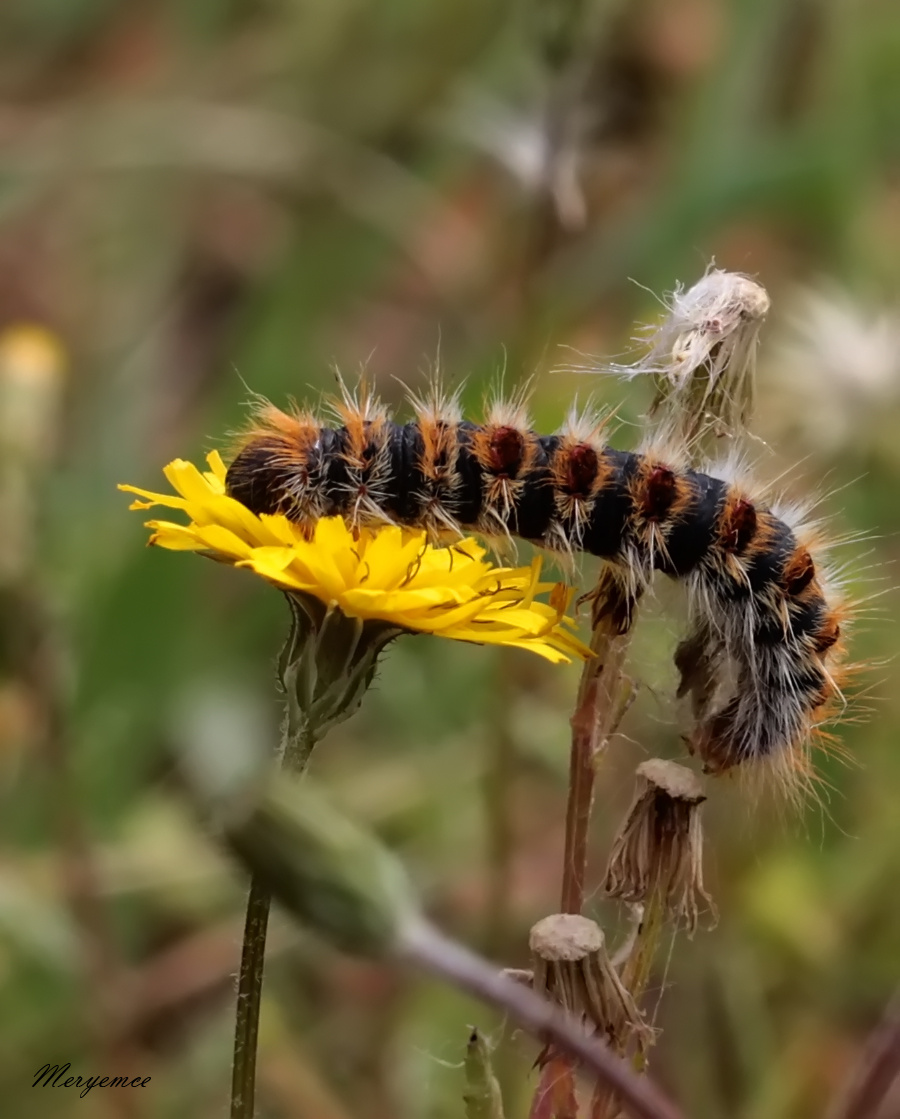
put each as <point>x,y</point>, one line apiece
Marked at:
<point>388,574</point>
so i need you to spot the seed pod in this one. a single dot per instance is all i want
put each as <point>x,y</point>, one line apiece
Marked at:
<point>703,357</point>
<point>658,852</point>
<point>571,967</point>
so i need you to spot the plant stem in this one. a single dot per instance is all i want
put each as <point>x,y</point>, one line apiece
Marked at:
<point>249,998</point>
<point>637,968</point>
<point>877,1072</point>
<point>602,701</point>
<point>429,948</point>
<point>297,747</point>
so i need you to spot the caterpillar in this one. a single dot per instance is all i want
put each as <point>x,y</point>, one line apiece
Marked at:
<point>761,662</point>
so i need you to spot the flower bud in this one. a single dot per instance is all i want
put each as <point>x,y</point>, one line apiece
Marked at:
<point>336,878</point>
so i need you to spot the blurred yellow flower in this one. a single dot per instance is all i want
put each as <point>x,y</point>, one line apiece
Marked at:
<point>390,574</point>
<point>31,353</point>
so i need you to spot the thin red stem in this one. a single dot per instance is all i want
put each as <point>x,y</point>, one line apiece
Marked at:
<point>597,714</point>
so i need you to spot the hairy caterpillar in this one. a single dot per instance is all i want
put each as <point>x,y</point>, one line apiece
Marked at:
<point>760,663</point>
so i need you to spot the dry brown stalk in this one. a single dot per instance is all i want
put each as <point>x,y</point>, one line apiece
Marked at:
<point>603,697</point>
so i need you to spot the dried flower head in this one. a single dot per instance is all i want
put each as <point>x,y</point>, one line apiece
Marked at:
<point>658,852</point>
<point>703,356</point>
<point>571,967</point>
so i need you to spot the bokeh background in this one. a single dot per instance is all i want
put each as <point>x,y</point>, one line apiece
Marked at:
<point>204,199</point>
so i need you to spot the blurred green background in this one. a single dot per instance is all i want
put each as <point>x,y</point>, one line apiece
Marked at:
<point>207,198</point>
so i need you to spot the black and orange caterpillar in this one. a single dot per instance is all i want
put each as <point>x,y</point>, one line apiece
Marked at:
<point>760,663</point>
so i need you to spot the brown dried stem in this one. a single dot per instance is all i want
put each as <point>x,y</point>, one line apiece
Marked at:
<point>603,697</point>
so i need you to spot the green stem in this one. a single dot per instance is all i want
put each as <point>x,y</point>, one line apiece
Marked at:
<point>249,998</point>
<point>298,746</point>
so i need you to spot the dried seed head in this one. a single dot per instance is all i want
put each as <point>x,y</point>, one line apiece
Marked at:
<point>703,355</point>
<point>658,853</point>
<point>572,968</point>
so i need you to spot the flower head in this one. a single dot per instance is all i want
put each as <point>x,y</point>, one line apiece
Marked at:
<point>703,356</point>
<point>658,852</point>
<point>387,574</point>
<point>571,966</point>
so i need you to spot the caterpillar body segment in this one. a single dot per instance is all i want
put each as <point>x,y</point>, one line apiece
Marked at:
<point>495,481</point>
<point>760,662</point>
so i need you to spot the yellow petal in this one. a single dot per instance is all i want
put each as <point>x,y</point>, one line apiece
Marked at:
<point>390,573</point>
